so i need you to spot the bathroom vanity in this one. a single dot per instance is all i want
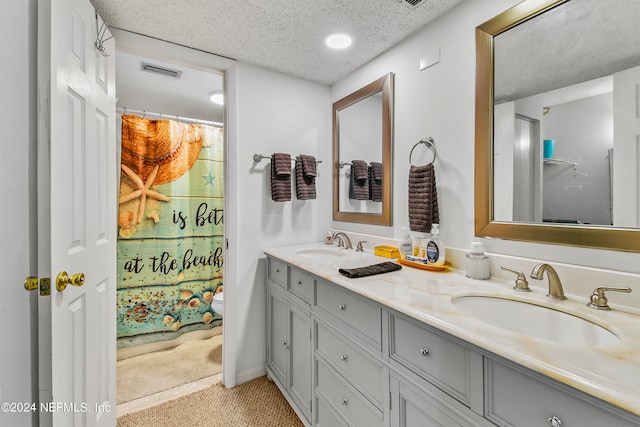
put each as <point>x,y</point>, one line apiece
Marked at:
<point>395,350</point>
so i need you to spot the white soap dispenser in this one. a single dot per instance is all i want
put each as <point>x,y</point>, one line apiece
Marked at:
<point>435,248</point>
<point>406,244</point>
<point>477,262</point>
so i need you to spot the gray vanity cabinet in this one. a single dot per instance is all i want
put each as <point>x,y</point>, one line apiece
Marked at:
<point>343,360</point>
<point>289,347</point>
<point>519,397</point>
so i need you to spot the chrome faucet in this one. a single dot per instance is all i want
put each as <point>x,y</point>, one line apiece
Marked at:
<point>344,241</point>
<point>555,287</point>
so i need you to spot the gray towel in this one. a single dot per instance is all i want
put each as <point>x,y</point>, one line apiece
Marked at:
<point>375,181</point>
<point>280,177</point>
<point>359,181</point>
<point>305,177</point>
<point>423,198</point>
<point>370,270</point>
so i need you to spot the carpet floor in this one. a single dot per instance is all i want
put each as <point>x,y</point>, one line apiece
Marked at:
<point>256,403</point>
<point>151,373</point>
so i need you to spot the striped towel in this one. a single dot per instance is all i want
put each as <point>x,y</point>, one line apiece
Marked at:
<point>359,181</point>
<point>423,198</point>
<point>280,177</point>
<point>305,177</point>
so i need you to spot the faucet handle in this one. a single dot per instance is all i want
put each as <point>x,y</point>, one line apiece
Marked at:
<point>359,247</point>
<point>599,301</point>
<point>521,281</point>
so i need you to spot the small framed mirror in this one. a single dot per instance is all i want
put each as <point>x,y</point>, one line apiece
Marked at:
<point>362,143</point>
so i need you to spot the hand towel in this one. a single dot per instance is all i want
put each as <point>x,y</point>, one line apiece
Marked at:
<point>308,166</point>
<point>305,183</point>
<point>359,187</point>
<point>280,177</point>
<point>375,181</point>
<point>423,198</point>
<point>370,270</point>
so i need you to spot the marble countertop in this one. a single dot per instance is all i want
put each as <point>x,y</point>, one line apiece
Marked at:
<point>611,373</point>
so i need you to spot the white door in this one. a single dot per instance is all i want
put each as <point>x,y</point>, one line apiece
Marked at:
<point>626,148</point>
<point>76,216</point>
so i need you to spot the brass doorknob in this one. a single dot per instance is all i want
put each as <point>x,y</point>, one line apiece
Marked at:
<point>64,279</point>
<point>31,283</point>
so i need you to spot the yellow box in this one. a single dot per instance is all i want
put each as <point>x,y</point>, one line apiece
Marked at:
<point>387,251</point>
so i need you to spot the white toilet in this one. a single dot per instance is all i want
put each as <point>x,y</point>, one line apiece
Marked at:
<point>218,303</point>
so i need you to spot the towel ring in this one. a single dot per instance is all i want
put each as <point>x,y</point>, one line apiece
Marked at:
<point>430,143</point>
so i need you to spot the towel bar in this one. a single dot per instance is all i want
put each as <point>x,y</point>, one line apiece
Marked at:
<point>258,158</point>
<point>430,143</point>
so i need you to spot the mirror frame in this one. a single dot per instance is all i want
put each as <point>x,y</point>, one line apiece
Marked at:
<point>385,85</point>
<point>621,239</point>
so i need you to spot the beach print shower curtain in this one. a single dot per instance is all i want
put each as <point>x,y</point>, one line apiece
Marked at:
<point>170,229</point>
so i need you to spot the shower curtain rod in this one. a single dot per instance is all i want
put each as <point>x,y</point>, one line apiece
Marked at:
<point>124,110</point>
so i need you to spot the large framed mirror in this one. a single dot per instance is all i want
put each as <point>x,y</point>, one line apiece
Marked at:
<point>557,158</point>
<point>362,144</point>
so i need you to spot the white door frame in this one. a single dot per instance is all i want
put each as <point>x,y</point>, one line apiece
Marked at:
<point>168,52</point>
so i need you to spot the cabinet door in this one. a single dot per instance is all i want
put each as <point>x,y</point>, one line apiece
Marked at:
<point>410,408</point>
<point>277,333</point>
<point>414,407</point>
<point>299,374</point>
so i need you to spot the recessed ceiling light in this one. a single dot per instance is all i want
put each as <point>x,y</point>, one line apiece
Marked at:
<point>338,41</point>
<point>217,97</point>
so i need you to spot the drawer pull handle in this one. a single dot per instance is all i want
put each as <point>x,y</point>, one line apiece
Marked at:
<point>554,422</point>
<point>342,307</point>
<point>344,401</point>
<point>344,357</point>
<point>424,351</point>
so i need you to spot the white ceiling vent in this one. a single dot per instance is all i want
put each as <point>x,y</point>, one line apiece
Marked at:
<point>411,4</point>
<point>151,68</point>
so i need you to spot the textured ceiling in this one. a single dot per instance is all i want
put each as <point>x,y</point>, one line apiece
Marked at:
<point>282,35</point>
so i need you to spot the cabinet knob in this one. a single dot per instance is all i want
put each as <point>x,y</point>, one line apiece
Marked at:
<point>424,351</point>
<point>277,270</point>
<point>342,307</point>
<point>344,357</point>
<point>554,422</point>
<point>299,282</point>
<point>284,344</point>
<point>344,401</point>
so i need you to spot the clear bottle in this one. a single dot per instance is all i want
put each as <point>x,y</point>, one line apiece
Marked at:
<point>406,245</point>
<point>477,262</point>
<point>435,248</point>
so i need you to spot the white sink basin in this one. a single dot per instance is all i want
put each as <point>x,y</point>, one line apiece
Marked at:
<point>535,321</point>
<point>327,253</point>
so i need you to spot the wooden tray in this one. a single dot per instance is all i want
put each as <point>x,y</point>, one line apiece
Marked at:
<point>422,266</point>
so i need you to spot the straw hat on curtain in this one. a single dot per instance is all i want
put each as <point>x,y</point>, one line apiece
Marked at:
<point>171,145</point>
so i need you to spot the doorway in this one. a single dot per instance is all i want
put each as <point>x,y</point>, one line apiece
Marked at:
<point>169,250</point>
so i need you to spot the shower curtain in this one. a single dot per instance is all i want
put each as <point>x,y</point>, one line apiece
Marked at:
<point>170,229</point>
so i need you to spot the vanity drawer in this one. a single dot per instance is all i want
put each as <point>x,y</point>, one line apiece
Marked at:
<point>325,416</point>
<point>362,315</point>
<point>516,398</point>
<point>437,358</point>
<point>365,372</point>
<point>345,399</point>
<point>277,271</point>
<point>301,284</point>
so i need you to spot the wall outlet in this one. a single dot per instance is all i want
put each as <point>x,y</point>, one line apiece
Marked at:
<point>429,59</point>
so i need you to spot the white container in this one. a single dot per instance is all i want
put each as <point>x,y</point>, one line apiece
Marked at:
<point>477,263</point>
<point>406,245</point>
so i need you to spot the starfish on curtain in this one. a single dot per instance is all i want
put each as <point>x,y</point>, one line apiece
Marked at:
<point>143,190</point>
